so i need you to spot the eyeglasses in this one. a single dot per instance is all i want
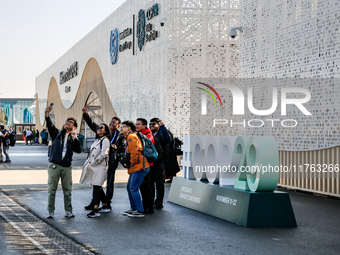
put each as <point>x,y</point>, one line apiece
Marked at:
<point>114,123</point>
<point>152,124</point>
<point>68,121</point>
<point>100,127</point>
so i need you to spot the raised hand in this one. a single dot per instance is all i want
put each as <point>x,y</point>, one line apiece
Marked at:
<point>48,110</point>
<point>85,109</point>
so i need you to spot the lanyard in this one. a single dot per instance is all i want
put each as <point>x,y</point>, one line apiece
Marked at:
<point>114,137</point>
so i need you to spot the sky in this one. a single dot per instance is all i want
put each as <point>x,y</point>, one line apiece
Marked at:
<point>35,33</point>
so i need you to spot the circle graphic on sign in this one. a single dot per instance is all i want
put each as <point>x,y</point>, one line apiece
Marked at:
<point>141,29</point>
<point>114,46</point>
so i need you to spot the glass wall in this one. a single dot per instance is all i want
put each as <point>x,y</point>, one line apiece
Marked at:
<point>18,110</point>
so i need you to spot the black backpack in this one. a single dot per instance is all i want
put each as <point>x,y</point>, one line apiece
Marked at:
<point>177,146</point>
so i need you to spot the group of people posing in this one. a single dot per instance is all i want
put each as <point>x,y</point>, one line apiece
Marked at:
<point>117,140</point>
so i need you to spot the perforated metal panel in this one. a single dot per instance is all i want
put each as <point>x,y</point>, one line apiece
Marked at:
<point>154,82</point>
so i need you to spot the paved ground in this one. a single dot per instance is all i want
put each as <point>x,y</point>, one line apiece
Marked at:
<point>173,229</point>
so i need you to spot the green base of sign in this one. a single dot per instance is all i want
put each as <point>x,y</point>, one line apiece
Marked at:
<point>246,208</point>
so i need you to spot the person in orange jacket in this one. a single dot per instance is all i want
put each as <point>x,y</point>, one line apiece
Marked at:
<point>138,169</point>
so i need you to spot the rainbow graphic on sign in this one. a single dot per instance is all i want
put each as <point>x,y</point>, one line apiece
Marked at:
<point>209,93</point>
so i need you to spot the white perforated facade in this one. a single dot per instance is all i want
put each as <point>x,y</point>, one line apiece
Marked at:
<point>299,39</point>
<point>296,39</point>
<point>153,82</point>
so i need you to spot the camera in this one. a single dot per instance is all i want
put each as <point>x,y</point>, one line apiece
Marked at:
<point>233,31</point>
<point>162,22</point>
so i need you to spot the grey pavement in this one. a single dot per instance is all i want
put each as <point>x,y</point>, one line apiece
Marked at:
<point>34,157</point>
<point>176,229</point>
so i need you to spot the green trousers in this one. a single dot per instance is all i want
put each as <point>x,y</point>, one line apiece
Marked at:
<point>54,173</point>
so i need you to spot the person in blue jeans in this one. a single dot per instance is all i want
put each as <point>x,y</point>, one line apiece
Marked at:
<point>139,167</point>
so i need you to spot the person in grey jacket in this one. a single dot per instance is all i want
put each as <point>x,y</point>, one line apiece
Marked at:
<point>95,168</point>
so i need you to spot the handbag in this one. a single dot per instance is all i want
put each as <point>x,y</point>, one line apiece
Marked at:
<point>124,159</point>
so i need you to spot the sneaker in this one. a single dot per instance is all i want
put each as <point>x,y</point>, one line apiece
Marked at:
<point>69,214</point>
<point>89,207</point>
<point>158,206</point>
<point>104,209</point>
<point>8,161</point>
<point>148,211</point>
<point>127,212</point>
<point>136,214</point>
<point>93,214</point>
<point>50,214</point>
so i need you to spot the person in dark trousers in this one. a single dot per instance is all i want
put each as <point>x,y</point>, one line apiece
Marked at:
<point>1,156</point>
<point>145,188</point>
<point>160,132</point>
<point>44,136</point>
<point>28,136</point>
<point>117,145</point>
<point>4,138</point>
<point>94,171</point>
<point>64,143</point>
<point>36,140</point>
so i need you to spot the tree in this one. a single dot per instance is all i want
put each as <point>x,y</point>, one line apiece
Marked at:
<point>3,116</point>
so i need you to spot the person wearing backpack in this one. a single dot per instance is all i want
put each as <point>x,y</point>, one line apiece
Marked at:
<point>161,135</point>
<point>166,139</point>
<point>64,143</point>
<point>1,156</point>
<point>12,137</point>
<point>145,188</point>
<point>139,167</point>
<point>4,138</point>
<point>44,137</point>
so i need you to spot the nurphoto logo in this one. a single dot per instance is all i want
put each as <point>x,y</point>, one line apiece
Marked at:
<point>294,97</point>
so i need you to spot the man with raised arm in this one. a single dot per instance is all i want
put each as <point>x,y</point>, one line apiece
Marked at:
<point>64,143</point>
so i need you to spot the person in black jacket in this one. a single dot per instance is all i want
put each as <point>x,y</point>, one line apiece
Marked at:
<point>169,162</point>
<point>64,143</point>
<point>117,145</point>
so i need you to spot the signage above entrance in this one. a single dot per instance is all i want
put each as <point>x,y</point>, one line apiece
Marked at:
<point>71,72</point>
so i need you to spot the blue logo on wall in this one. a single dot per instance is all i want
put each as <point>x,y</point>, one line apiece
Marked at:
<point>141,29</point>
<point>114,46</point>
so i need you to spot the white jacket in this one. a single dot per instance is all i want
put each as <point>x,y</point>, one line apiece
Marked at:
<point>94,170</point>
